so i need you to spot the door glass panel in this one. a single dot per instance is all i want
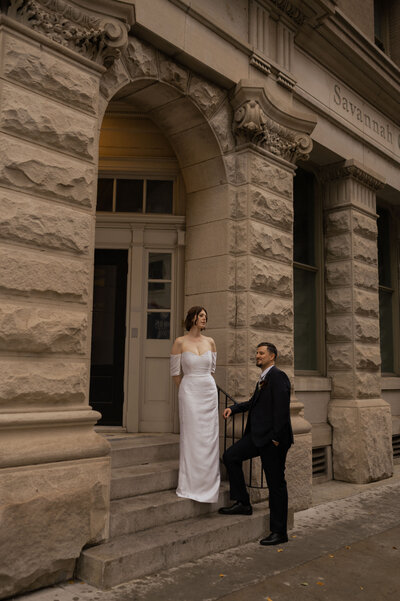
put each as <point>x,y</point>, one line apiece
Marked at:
<point>129,195</point>
<point>105,194</point>
<point>159,296</point>
<point>158,325</point>
<point>159,266</point>
<point>159,196</point>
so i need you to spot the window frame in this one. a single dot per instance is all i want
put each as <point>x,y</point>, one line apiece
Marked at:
<point>319,270</point>
<point>394,288</point>
<point>145,178</point>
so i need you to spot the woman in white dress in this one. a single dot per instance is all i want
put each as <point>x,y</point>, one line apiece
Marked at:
<point>193,360</point>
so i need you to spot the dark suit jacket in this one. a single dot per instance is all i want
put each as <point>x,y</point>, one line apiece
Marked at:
<point>269,410</point>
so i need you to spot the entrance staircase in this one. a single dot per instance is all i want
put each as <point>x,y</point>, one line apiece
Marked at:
<point>151,529</point>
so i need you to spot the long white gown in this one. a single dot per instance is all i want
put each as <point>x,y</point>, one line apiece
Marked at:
<point>199,475</point>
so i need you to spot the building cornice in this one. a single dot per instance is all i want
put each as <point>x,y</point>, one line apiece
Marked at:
<point>349,55</point>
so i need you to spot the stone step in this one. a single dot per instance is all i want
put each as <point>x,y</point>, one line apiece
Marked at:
<point>157,509</point>
<point>136,450</point>
<point>150,551</point>
<point>142,479</point>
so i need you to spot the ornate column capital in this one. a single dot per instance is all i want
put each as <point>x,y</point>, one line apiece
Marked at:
<point>354,170</point>
<point>98,36</point>
<point>259,120</point>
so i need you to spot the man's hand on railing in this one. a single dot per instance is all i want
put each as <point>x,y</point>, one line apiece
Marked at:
<point>227,412</point>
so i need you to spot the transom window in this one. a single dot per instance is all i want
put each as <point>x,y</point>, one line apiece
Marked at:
<point>120,195</point>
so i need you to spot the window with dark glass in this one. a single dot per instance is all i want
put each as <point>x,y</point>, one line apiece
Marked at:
<point>306,273</point>
<point>381,24</point>
<point>105,194</point>
<point>126,195</point>
<point>386,291</point>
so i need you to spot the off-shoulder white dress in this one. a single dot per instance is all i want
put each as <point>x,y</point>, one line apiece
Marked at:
<point>199,476</point>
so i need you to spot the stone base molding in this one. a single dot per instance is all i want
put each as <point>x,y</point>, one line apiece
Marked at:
<point>361,426</point>
<point>362,440</point>
<point>48,513</point>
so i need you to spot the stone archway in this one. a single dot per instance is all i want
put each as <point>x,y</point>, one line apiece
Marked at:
<point>196,117</point>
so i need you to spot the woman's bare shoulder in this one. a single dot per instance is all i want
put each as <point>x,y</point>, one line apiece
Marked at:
<point>177,346</point>
<point>211,343</point>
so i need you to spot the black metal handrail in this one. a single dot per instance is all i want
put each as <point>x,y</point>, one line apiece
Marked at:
<point>225,400</point>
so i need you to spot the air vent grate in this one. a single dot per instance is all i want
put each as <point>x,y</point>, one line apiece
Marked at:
<point>396,446</point>
<point>320,462</point>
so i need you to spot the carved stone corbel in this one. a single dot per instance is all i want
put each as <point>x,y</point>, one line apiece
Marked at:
<point>99,38</point>
<point>258,120</point>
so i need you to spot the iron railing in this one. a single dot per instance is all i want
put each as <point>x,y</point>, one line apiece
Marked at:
<point>225,401</point>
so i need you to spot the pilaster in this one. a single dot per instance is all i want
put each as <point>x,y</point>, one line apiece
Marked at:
<point>54,469</point>
<point>269,140</point>
<point>360,417</point>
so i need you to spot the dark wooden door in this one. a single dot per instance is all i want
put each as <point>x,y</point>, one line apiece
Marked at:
<point>108,335</point>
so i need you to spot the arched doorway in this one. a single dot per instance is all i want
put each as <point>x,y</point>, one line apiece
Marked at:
<point>162,142</point>
<point>138,273</point>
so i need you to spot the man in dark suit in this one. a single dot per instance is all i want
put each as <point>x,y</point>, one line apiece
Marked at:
<point>269,435</point>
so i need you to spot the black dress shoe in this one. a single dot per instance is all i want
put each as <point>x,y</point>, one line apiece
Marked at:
<point>237,508</point>
<point>274,539</point>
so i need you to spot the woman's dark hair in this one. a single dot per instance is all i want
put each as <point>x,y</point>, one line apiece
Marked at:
<point>193,313</point>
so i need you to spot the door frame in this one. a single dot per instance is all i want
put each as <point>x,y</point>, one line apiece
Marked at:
<point>132,232</point>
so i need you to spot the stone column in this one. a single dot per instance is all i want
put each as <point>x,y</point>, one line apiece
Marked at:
<point>268,142</point>
<point>361,420</point>
<point>54,469</point>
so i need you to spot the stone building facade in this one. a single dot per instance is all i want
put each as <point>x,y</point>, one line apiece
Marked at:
<point>243,155</point>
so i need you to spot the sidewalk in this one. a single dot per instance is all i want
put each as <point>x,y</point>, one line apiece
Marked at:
<point>344,548</point>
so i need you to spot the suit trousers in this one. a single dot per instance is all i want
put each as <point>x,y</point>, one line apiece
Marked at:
<point>273,459</point>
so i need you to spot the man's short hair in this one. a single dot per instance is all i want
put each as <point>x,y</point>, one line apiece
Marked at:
<point>271,347</point>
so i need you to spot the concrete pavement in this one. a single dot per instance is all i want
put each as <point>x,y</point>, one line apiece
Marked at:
<point>344,548</point>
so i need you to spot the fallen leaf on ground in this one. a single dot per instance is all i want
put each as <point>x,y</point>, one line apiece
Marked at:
<point>222,575</point>
<point>347,547</point>
<point>304,584</point>
<point>280,550</point>
<point>294,535</point>
<point>268,599</point>
<point>331,556</point>
<point>320,583</point>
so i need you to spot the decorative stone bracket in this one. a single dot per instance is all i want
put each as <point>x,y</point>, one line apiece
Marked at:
<point>99,37</point>
<point>258,120</point>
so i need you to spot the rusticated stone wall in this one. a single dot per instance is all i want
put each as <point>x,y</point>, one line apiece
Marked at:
<point>54,469</point>
<point>261,284</point>
<point>360,418</point>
